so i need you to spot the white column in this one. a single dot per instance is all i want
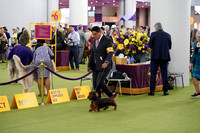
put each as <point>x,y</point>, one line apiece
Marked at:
<point>121,12</point>
<point>78,13</point>
<point>52,5</point>
<point>130,8</point>
<point>142,17</point>
<point>175,18</point>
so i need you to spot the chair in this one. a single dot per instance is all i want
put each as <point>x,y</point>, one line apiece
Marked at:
<point>118,80</point>
<point>175,75</point>
<point>86,78</point>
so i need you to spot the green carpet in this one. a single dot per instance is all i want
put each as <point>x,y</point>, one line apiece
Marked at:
<point>176,113</point>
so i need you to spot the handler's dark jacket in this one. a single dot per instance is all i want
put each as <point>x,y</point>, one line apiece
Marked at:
<point>103,53</point>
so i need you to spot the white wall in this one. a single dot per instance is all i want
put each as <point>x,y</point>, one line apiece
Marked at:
<point>52,5</point>
<point>176,22</point>
<point>18,13</point>
<point>109,11</point>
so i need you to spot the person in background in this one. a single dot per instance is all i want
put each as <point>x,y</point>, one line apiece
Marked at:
<point>3,42</point>
<point>73,41</point>
<point>7,33</point>
<point>123,30</point>
<point>43,53</point>
<point>100,61</point>
<point>195,62</point>
<point>20,33</point>
<point>107,30</point>
<point>66,27</point>
<point>24,37</point>
<point>23,52</point>
<point>81,45</point>
<point>90,40</point>
<point>114,33</point>
<point>160,43</point>
<point>88,33</point>
<point>102,30</point>
<point>14,36</point>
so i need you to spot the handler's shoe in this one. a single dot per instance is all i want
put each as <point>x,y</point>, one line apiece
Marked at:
<point>166,93</point>
<point>195,95</point>
<point>151,94</point>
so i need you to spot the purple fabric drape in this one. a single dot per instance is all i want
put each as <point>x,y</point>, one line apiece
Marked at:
<point>140,75</point>
<point>62,58</point>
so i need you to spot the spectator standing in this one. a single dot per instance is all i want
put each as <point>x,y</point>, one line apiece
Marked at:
<point>24,37</point>
<point>73,41</point>
<point>81,45</point>
<point>160,43</point>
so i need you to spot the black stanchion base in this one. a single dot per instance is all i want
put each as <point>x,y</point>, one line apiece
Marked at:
<point>41,103</point>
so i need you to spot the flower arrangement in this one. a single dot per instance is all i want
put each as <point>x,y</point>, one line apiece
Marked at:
<point>132,44</point>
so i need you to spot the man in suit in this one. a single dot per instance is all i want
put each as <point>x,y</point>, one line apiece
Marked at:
<point>100,61</point>
<point>81,45</point>
<point>160,43</point>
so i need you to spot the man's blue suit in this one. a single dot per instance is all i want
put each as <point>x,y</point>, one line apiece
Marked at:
<point>160,43</point>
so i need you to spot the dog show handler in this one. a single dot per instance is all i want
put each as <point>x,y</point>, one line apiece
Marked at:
<point>100,61</point>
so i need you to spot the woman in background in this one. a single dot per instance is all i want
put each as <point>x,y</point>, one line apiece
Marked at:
<point>196,63</point>
<point>43,53</point>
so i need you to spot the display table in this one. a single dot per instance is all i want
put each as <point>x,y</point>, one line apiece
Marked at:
<point>140,77</point>
<point>62,60</point>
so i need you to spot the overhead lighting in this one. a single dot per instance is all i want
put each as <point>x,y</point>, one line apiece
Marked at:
<point>107,2</point>
<point>102,3</point>
<point>113,4</point>
<point>146,4</point>
<point>60,3</point>
<point>91,2</point>
<point>96,1</point>
<point>142,6</point>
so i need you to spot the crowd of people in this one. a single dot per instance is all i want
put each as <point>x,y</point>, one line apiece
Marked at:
<point>77,41</point>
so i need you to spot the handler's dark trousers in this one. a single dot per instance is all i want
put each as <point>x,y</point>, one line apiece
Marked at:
<point>154,67</point>
<point>74,56</point>
<point>98,78</point>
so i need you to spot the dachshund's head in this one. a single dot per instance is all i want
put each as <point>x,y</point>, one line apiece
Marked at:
<point>93,95</point>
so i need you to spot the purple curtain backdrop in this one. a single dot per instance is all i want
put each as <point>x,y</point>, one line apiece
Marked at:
<point>139,74</point>
<point>98,17</point>
<point>62,58</point>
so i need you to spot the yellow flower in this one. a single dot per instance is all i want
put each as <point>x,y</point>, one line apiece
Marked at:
<point>143,51</point>
<point>126,42</point>
<point>131,43</point>
<point>120,46</point>
<point>134,51</point>
<point>149,50</point>
<point>133,39</point>
<point>139,48</point>
<point>122,36</point>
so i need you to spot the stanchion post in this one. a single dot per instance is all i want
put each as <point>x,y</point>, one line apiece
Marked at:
<point>42,82</point>
<point>6,55</point>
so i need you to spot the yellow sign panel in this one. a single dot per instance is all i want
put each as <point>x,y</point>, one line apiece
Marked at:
<point>26,100</point>
<point>80,92</point>
<point>56,16</point>
<point>4,105</point>
<point>58,96</point>
<point>191,20</point>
